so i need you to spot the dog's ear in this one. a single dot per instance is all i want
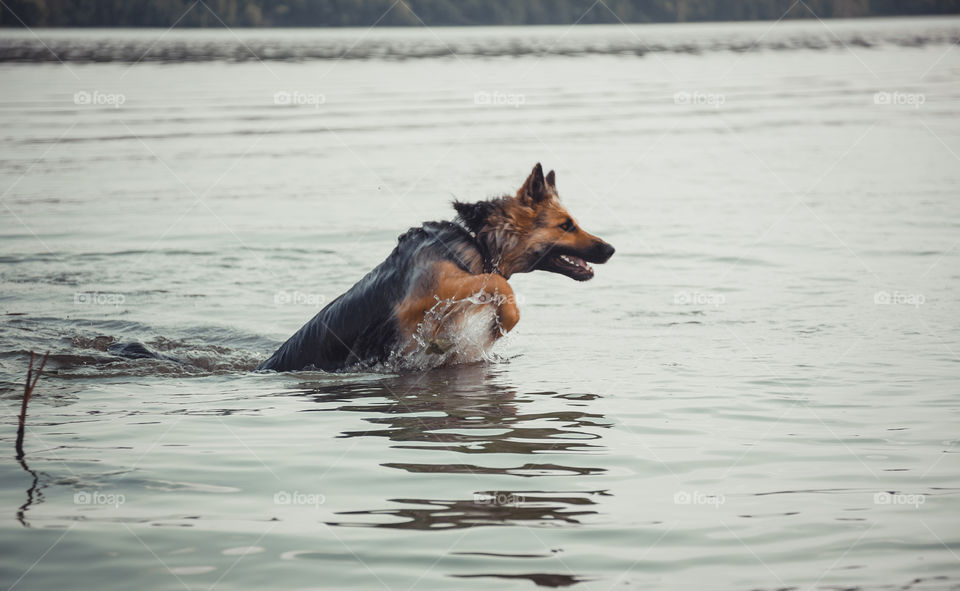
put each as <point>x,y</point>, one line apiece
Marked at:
<point>534,189</point>
<point>551,180</point>
<point>474,215</point>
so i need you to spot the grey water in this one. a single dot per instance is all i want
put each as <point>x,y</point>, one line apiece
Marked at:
<point>758,391</point>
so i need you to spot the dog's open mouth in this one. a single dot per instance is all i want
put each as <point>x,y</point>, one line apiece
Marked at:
<point>567,264</point>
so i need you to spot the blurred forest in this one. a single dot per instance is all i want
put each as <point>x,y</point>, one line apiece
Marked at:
<point>335,13</point>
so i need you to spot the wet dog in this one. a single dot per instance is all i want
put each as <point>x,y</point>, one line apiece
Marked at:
<point>443,274</point>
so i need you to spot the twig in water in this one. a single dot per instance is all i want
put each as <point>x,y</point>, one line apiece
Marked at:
<point>27,392</point>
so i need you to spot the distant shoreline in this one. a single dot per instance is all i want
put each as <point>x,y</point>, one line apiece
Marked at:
<point>288,44</point>
<point>203,14</point>
<point>4,26</point>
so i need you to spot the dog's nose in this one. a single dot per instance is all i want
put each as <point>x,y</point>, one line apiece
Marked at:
<point>607,250</point>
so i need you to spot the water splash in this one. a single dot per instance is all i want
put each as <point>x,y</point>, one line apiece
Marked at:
<point>453,332</point>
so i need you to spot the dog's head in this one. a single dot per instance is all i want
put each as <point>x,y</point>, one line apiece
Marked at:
<point>533,231</point>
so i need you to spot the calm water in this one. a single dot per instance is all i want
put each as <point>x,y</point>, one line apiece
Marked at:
<point>759,390</point>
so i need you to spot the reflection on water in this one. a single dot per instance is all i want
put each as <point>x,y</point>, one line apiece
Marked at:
<point>468,410</point>
<point>34,492</point>
<point>540,579</point>
<point>530,508</point>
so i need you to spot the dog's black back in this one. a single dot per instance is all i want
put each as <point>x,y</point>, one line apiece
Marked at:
<point>359,327</point>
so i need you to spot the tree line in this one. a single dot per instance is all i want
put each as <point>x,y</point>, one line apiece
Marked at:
<point>364,13</point>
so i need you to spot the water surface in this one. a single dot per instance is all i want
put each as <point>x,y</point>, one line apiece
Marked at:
<point>758,390</point>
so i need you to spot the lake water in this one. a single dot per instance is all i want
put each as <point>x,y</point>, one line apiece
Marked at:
<point>758,391</point>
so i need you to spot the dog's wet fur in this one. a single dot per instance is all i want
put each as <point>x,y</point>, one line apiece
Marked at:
<point>476,253</point>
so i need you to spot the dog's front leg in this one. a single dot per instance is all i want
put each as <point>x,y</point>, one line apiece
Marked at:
<point>489,287</point>
<point>508,315</point>
<point>453,285</point>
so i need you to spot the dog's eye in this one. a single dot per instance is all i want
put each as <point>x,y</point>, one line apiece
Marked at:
<point>568,226</point>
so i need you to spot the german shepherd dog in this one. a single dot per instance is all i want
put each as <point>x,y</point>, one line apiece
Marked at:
<point>442,274</point>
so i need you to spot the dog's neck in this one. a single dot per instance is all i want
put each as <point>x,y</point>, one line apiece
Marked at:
<point>496,242</point>
<point>486,256</point>
<point>492,226</point>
